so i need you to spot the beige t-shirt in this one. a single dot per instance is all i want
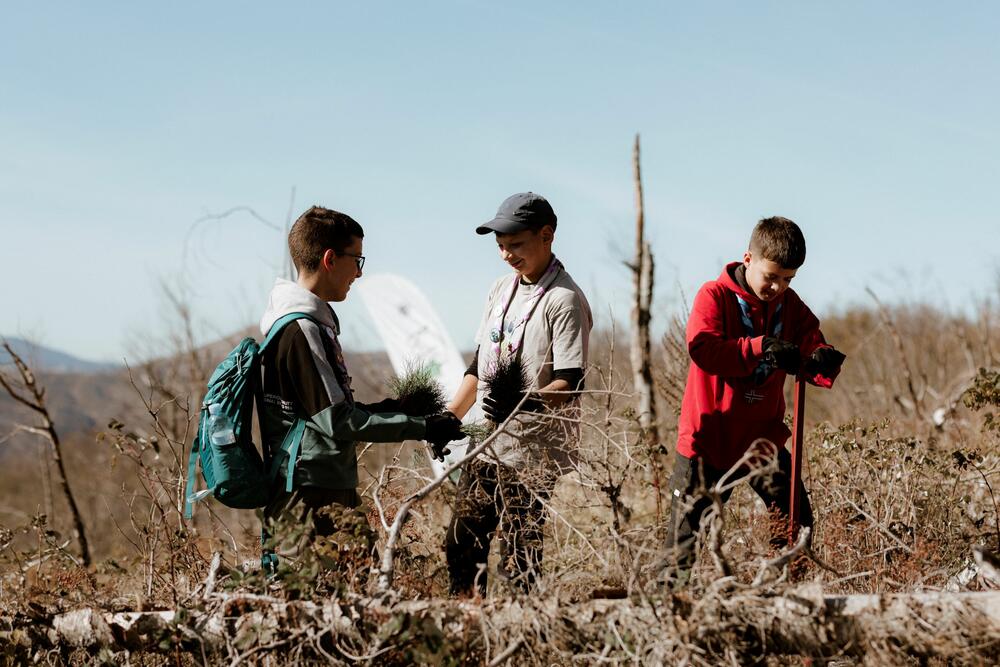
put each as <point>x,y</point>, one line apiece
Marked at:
<point>556,337</point>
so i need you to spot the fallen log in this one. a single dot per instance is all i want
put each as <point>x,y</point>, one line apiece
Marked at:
<point>808,623</point>
<point>737,624</point>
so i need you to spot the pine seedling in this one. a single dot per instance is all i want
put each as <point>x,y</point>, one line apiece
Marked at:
<point>418,393</point>
<point>478,431</point>
<point>508,382</point>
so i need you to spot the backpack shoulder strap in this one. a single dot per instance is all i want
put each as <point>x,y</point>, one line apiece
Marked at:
<point>192,463</point>
<point>293,438</point>
<point>290,449</point>
<point>280,323</point>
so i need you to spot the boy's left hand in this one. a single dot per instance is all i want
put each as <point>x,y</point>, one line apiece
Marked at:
<point>440,430</point>
<point>825,361</point>
<point>498,410</point>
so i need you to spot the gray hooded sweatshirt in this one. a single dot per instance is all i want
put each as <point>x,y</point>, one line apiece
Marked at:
<point>304,376</point>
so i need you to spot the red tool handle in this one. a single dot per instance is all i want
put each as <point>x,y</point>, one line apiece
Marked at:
<point>798,422</point>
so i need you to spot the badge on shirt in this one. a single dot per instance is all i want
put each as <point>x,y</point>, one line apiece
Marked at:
<point>752,396</point>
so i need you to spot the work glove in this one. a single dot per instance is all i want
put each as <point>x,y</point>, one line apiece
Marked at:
<point>824,361</point>
<point>385,405</point>
<point>497,410</point>
<point>440,430</point>
<point>783,354</point>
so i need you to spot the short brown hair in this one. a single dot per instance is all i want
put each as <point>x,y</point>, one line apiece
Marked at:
<point>779,240</point>
<point>318,230</point>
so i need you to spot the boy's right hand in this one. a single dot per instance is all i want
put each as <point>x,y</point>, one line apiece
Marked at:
<point>443,427</point>
<point>440,430</point>
<point>783,354</point>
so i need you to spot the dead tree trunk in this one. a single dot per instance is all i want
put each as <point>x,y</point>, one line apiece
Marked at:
<point>288,266</point>
<point>46,473</point>
<point>642,367</point>
<point>25,390</point>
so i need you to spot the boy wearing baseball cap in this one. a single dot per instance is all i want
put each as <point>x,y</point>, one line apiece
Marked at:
<point>539,315</point>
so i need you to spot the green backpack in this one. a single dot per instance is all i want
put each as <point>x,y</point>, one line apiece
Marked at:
<point>233,470</point>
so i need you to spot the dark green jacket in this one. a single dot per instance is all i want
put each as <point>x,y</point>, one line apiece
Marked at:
<point>304,375</point>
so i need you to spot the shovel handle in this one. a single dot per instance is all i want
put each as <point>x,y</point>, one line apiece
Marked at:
<point>798,422</point>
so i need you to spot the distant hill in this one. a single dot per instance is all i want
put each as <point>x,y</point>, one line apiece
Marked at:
<point>85,400</point>
<point>49,360</point>
<point>77,402</point>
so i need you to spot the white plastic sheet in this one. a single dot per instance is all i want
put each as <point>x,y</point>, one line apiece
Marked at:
<point>413,334</point>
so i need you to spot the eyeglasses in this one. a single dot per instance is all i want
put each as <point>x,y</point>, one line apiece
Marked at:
<point>358,259</point>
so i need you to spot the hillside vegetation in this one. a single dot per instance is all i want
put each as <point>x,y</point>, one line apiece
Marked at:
<point>902,461</point>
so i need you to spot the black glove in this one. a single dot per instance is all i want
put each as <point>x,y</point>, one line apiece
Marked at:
<point>824,361</point>
<point>442,429</point>
<point>783,354</point>
<point>385,405</point>
<point>497,410</point>
<point>439,450</point>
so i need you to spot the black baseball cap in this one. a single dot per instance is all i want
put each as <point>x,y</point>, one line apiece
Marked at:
<point>519,212</point>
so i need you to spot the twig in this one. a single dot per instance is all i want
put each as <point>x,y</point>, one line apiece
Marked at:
<point>267,647</point>
<point>898,343</point>
<point>213,571</point>
<point>49,553</point>
<point>621,642</point>
<point>782,558</point>
<point>506,654</point>
<point>396,529</point>
<point>882,529</point>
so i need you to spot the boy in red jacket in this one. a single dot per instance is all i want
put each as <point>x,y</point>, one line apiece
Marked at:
<point>747,330</point>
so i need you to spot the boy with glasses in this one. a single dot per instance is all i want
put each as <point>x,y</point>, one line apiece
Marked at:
<point>305,377</point>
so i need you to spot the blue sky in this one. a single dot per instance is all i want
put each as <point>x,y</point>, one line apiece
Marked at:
<point>875,126</point>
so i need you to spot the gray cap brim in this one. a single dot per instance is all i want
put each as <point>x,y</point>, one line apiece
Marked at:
<point>502,226</point>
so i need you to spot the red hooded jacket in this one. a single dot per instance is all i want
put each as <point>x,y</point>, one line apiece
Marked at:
<point>724,410</point>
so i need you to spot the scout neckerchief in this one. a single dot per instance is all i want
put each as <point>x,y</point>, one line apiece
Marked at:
<point>339,366</point>
<point>765,367</point>
<point>516,333</point>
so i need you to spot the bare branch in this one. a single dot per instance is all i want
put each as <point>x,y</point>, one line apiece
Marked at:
<point>783,558</point>
<point>48,431</point>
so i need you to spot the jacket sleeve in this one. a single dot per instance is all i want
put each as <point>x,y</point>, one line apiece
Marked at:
<point>324,402</point>
<point>359,424</point>
<point>708,345</point>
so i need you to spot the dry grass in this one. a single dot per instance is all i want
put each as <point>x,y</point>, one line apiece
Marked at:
<point>900,470</point>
